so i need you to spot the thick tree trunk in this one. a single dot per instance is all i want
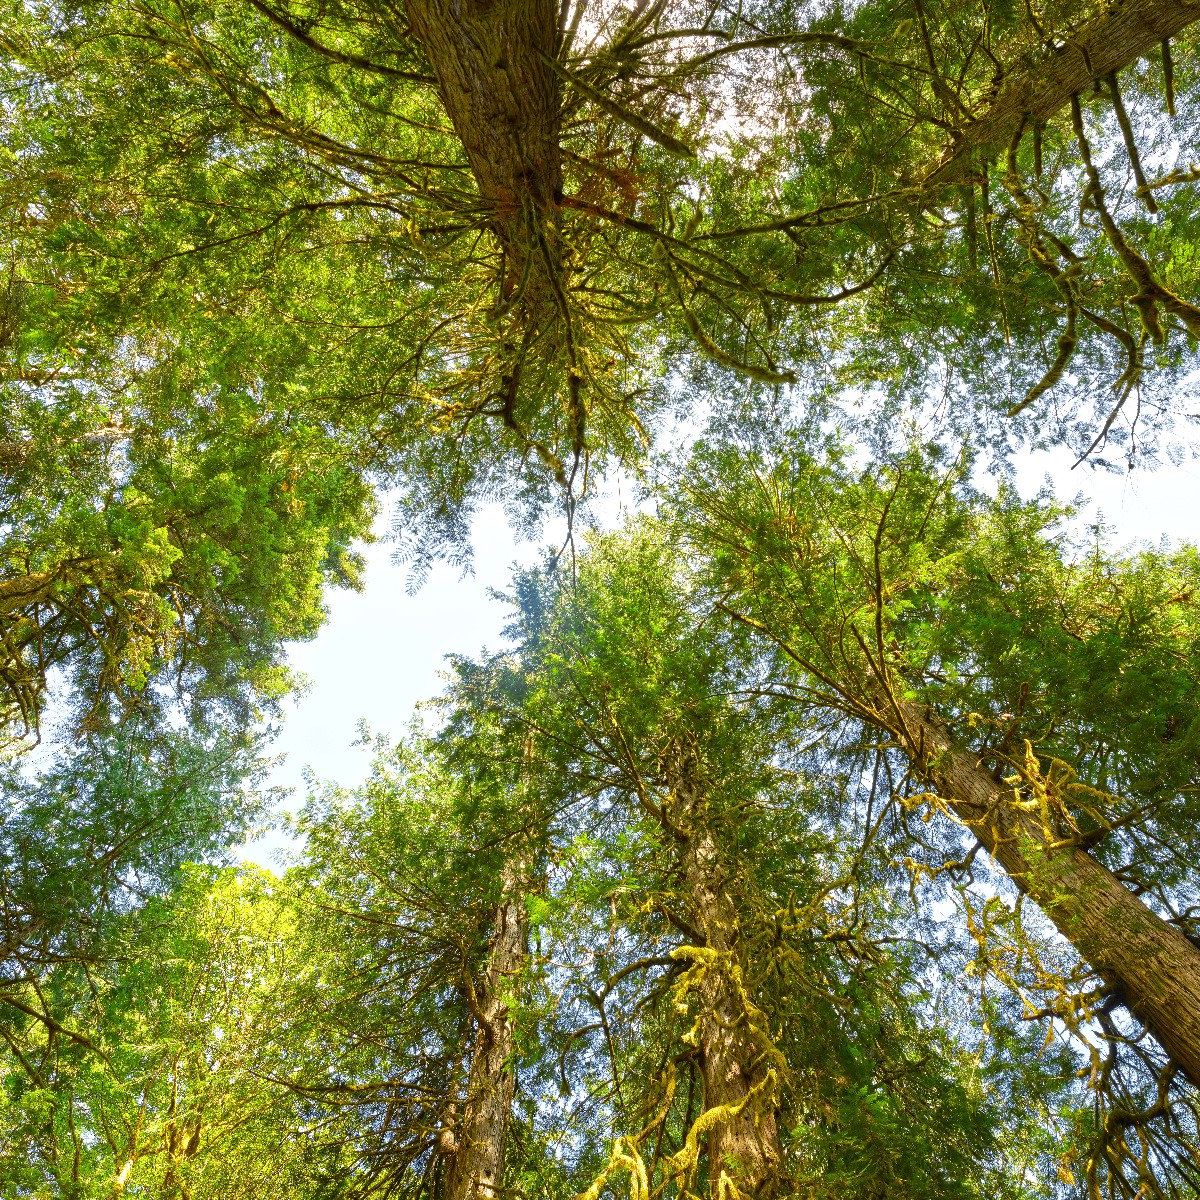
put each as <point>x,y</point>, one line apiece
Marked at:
<point>1126,31</point>
<point>745,1146</point>
<point>504,99</point>
<point>1155,968</point>
<point>476,1154</point>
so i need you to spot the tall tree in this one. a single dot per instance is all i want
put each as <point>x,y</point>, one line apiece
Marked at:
<point>422,880</point>
<point>538,204</point>
<point>157,1081</point>
<point>741,919</point>
<point>1037,694</point>
<point>148,581</point>
<point>661,939</point>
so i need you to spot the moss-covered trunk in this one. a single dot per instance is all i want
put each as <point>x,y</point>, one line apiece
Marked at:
<point>1122,33</point>
<point>1152,965</point>
<point>743,1142</point>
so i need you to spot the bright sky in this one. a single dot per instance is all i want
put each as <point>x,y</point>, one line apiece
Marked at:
<point>383,650</point>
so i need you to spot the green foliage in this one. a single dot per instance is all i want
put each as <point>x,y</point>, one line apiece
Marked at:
<point>874,1096</point>
<point>172,1093</point>
<point>105,823</point>
<point>987,609</point>
<point>664,883</point>
<point>1061,667</point>
<point>141,562</point>
<point>277,200</point>
<point>695,849</point>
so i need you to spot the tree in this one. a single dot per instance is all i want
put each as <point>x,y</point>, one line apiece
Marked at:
<point>685,890</point>
<point>148,582</point>
<point>414,890</point>
<point>678,936</point>
<point>170,1093</point>
<point>142,563</point>
<point>1036,693</point>
<point>762,1030</point>
<point>541,206</point>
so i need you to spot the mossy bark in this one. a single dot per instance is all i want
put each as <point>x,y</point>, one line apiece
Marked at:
<point>1153,967</point>
<point>1123,32</point>
<point>744,1146</point>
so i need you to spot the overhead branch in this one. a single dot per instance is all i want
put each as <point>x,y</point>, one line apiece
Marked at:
<point>1124,33</point>
<point>302,35</point>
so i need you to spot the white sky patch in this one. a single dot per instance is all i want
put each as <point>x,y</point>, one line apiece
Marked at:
<point>382,651</point>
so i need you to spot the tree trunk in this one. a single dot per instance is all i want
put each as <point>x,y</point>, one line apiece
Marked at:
<point>476,1161</point>
<point>1154,967</point>
<point>745,1146</point>
<point>1125,32</point>
<point>504,99</point>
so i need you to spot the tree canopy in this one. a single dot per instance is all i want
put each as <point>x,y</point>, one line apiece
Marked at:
<point>665,905</point>
<point>475,235</point>
<point>829,829</point>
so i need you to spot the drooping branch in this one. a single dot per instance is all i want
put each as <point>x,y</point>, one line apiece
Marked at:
<point>1151,293</point>
<point>301,33</point>
<point>1135,159</point>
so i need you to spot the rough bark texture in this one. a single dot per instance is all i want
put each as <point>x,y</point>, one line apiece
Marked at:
<point>746,1146</point>
<point>1153,965</point>
<point>504,100</point>
<point>476,1160</point>
<point>1126,31</point>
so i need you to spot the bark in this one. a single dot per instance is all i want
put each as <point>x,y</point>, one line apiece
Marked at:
<point>745,1146</point>
<point>475,1169</point>
<point>490,58</point>
<point>1152,965</point>
<point>1126,31</point>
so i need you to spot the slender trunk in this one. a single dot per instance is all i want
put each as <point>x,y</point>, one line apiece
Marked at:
<point>1155,968</point>
<point>1123,33</point>
<point>744,1146</point>
<point>180,1142</point>
<point>504,99</point>
<point>476,1163</point>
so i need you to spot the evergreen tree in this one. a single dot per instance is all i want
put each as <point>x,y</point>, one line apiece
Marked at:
<point>147,564</point>
<point>1034,692</point>
<point>756,1025</point>
<point>831,834</point>
<point>476,234</point>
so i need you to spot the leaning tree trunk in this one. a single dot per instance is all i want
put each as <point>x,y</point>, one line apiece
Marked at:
<point>1124,32</point>
<point>744,1146</point>
<point>476,1147</point>
<point>1152,965</point>
<point>492,63</point>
